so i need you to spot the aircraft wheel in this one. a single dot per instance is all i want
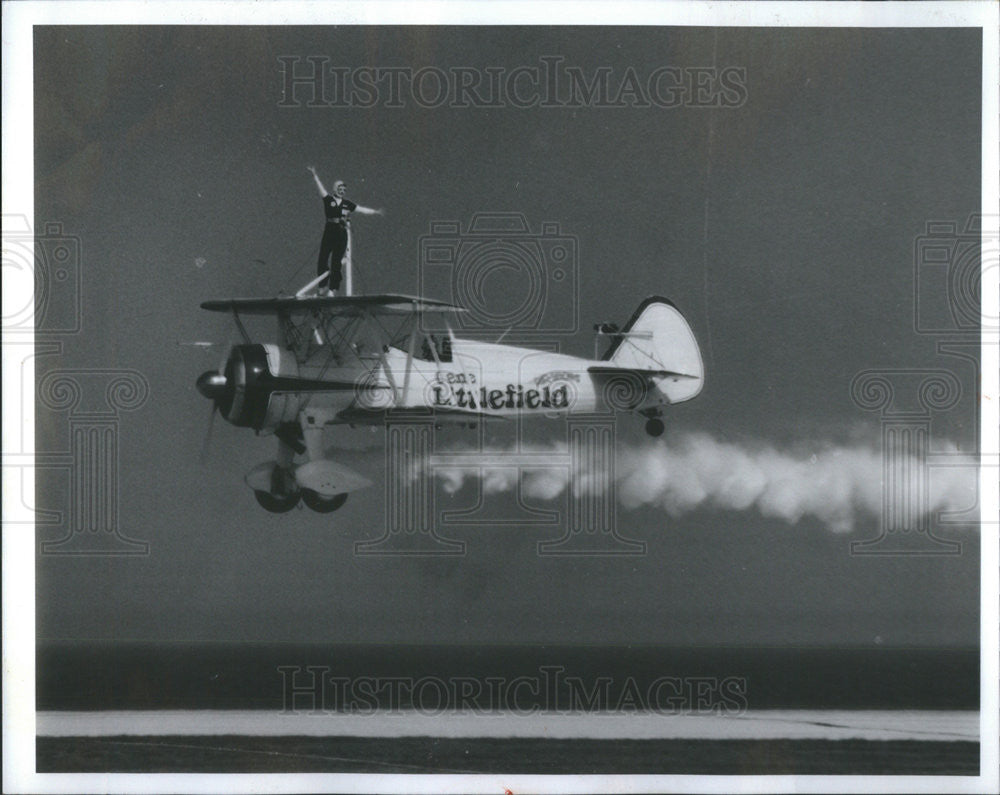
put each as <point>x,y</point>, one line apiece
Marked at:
<point>654,426</point>
<point>323,504</point>
<point>275,504</point>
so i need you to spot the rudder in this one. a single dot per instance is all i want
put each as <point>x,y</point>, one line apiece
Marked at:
<point>657,337</point>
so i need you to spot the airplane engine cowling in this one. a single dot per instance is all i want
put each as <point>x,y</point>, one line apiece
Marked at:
<point>255,396</point>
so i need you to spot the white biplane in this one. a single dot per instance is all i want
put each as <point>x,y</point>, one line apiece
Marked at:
<point>361,359</point>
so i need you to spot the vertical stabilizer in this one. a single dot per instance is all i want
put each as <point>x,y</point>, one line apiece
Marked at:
<point>657,337</point>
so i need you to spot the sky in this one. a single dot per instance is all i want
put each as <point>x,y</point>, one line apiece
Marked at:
<point>784,228</point>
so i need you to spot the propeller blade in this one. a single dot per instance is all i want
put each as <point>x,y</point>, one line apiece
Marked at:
<point>210,384</point>
<point>207,442</point>
<point>225,356</point>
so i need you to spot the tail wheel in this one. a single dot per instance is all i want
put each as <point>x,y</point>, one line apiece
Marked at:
<point>274,503</point>
<point>323,504</point>
<point>654,426</point>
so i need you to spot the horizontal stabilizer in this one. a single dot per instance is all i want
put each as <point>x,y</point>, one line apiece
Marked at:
<point>645,373</point>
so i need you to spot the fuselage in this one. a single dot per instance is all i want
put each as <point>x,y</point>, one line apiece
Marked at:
<point>490,379</point>
<point>266,386</point>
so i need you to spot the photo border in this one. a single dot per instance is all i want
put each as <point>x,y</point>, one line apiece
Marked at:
<point>19,548</point>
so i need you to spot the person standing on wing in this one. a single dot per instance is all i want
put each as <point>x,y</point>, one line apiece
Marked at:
<point>334,245</point>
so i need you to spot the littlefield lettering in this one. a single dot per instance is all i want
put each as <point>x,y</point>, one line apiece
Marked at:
<point>512,397</point>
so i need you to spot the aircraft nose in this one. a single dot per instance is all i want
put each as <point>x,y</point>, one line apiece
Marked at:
<point>212,384</point>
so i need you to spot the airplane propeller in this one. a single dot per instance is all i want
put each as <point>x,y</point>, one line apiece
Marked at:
<point>207,441</point>
<point>213,385</point>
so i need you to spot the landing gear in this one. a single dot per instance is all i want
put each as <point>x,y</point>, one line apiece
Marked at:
<point>290,434</point>
<point>654,427</point>
<point>283,494</point>
<point>321,484</point>
<point>320,504</point>
<point>275,503</point>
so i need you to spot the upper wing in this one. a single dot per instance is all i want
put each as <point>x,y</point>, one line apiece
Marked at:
<point>345,305</point>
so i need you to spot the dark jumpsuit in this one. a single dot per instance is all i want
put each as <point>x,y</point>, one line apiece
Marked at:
<point>334,245</point>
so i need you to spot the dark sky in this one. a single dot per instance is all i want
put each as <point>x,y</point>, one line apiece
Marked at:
<point>783,228</point>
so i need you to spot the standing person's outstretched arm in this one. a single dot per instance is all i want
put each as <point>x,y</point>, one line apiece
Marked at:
<point>319,183</point>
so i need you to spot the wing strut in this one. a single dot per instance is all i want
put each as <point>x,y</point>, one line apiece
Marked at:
<point>348,266</point>
<point>307,288</point>
<point>409,353</point>
<point>241,327</point>
<point>385,363</point>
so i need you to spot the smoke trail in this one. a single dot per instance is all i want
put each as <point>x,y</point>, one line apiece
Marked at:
<point>831,483</point>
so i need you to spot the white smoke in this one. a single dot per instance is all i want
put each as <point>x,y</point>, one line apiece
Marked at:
<point>832,483</point>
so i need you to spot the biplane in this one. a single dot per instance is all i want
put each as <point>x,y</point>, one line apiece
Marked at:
<point>361,359</point>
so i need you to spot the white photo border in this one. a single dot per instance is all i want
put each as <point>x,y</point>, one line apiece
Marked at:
<point>19,548</point>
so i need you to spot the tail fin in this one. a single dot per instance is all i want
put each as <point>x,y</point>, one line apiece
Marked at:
<point>657,337</point>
